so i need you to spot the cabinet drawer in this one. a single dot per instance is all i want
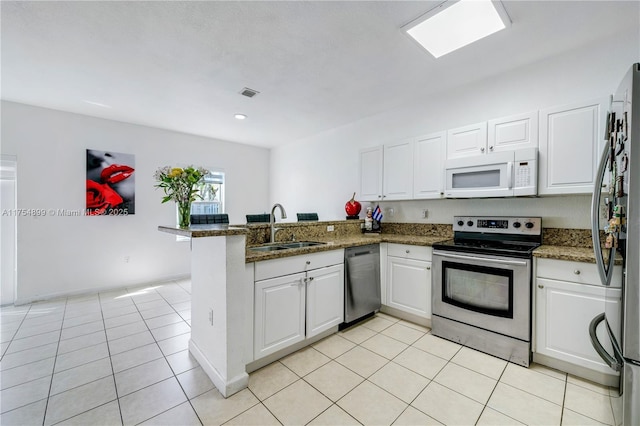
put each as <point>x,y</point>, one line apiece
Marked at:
<point>578,272</point>
<point>290,265</point>
<point>408,251</point>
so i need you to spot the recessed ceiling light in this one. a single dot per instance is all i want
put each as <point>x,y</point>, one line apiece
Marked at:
<point>455,24</point>
<point>98,104</point>
<point>240,116</point>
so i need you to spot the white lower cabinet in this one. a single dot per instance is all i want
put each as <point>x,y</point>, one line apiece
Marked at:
<point>408,281</point>
<point>279,313</point>
<point>294,307</point>
<point>564,310</point>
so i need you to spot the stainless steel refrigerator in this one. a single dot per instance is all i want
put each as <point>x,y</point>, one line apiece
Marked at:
<point>615,215</point>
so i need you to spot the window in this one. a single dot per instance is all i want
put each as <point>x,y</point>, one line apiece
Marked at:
<point>212,202</point>
<point>212,192</point>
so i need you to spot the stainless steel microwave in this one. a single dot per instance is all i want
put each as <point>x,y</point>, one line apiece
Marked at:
<point>500,174</point>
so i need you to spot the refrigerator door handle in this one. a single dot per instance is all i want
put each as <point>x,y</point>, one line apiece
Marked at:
<point>611,361</point>
<point>605,272</point>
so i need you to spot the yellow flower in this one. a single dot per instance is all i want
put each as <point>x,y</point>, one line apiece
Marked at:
<point>175,172</point>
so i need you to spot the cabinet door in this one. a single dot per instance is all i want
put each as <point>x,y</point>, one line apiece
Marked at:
<point>371,163</point>
<point>563,313</point>
<point>398,171</point>
<point>325,299</point>
<point>467,141</point>
<point>571,139</point>
<point>279,313</point>
<point>428,166</point>
<point>514,132</point>
<point>409,285</point>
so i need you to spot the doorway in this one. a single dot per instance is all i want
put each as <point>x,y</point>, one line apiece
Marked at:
<point>8,228</point>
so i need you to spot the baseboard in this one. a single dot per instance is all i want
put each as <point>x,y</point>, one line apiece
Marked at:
<point>88,292</point>
<point>611,380</point>
<point>416,319</point>
<point>259,363</point>
<point>226,387</point>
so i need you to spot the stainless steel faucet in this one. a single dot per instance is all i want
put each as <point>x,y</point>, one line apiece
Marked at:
<point>272,220</point>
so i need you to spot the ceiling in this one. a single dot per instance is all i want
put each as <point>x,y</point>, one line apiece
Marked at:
<point>180,65</point>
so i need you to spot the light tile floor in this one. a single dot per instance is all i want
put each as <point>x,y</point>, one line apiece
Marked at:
<point>121,358</point>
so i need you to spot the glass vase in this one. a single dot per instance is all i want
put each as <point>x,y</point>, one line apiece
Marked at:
<point>184,215</point>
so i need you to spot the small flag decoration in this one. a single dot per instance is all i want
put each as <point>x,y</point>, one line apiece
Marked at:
<point>377,214</point>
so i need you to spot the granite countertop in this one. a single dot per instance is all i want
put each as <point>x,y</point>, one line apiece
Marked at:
<point>344,242</point>
<point>561,244</point>
<point>546,251</point>
<point>575,254</point>
<point>198,231</point>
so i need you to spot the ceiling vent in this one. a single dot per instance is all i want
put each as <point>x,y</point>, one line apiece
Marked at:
<point>249,93</point>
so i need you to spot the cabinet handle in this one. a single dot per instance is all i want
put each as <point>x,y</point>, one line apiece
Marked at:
<point>407,251</point>
<point>428,268</point>
<point>481,149</point>
<point>308,262</point>
<point>540,286</point>
<point>310,278</point>
<point>577,272</point>
<point>490,148</point>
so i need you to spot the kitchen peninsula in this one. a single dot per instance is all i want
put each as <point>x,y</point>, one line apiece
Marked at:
<point>218,325</point>
<point>223,259</point>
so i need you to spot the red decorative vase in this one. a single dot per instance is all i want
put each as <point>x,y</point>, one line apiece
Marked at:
<point>352,207</point>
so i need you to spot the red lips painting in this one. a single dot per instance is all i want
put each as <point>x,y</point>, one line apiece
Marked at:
<point>110,183</point>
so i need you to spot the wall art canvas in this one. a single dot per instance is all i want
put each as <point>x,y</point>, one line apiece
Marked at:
<point>110,183</point>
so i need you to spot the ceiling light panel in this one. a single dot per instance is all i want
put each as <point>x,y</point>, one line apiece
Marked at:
<point>454,24</point>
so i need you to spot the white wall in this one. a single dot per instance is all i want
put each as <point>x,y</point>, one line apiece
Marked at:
<point>64,255</point>
<point>321,173</point>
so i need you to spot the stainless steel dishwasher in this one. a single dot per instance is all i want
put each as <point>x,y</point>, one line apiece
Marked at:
<point>362,281</point>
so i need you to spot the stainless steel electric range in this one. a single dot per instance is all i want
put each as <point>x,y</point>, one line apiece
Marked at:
<point>482,285</point>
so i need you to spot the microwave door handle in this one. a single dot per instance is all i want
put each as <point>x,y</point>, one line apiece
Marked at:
<point>605,272</point>
<point>510,174</point>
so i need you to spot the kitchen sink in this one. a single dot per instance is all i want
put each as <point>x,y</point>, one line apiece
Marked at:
<point>299,244</point>
<point>285,246</point>
<point>267,248</point>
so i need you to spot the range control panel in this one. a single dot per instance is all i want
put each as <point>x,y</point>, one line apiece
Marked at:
<point>498,225</point>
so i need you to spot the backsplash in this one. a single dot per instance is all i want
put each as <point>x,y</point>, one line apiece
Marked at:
<point>308,231</point>
<point>302,231</point>
<point>418,229</point>
<point>567,237</point>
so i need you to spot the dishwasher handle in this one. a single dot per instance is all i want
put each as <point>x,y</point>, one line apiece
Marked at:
<point>360,253</point>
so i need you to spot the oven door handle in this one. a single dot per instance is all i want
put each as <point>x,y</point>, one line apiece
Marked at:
<point>483,259</point>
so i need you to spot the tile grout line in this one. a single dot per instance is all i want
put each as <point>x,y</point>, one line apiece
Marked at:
<point>53,368</point>
<point>113,373</point>
<point>164,356</point>
<point>92,381</point>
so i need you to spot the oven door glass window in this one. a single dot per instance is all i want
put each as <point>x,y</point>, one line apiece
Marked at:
<point>478,288</point>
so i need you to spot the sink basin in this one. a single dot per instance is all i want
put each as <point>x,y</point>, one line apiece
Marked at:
<point>299,244</point>
<point>267,248</point>
<point>285,246</point>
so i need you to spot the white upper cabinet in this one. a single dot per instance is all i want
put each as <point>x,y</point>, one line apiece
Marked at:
<point>571,139</point>
<point>514,132</point>
<point>398,171</point>
<point>386,172</point>
<point>467,141</point>
<point>371,174</point>
<point>428,166</point>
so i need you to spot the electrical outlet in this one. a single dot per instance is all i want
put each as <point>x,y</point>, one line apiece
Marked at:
<point>391,212</point>
<point>126,259</point>
<point>330,228</point>
<point>425,213</point>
